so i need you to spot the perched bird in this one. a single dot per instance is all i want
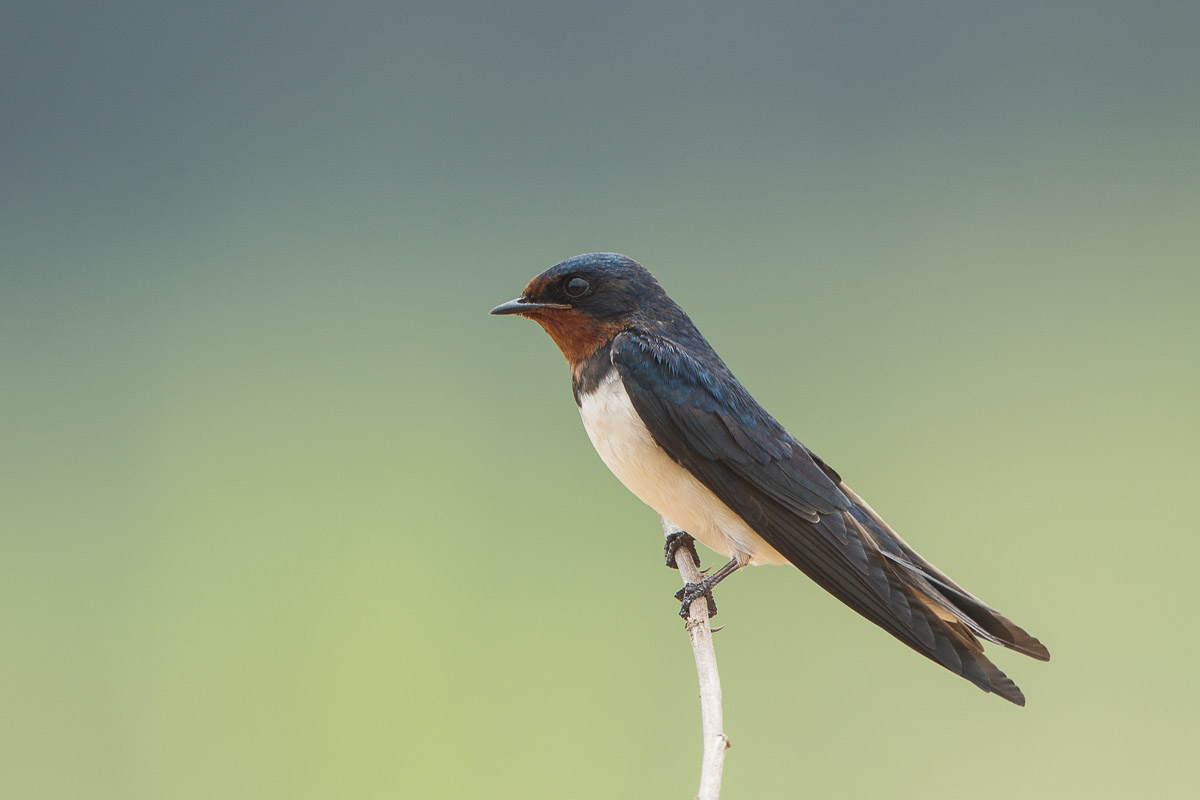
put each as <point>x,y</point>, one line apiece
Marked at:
<point>678,429</point>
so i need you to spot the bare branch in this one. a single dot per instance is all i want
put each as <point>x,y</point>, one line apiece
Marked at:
<point>712,725</point>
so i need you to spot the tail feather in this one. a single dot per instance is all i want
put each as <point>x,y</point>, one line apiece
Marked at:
<point>981,618</point>
<point>988,622</point>
<point>939,633</point>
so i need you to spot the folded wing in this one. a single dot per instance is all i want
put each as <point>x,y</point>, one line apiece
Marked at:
<point>709,424</point>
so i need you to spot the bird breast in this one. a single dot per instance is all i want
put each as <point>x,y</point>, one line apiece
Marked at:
<point>630,452</point>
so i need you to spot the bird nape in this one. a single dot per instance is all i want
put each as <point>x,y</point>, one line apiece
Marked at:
<point>678,429</point>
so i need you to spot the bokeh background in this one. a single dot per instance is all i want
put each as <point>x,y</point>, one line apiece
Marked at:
<point>284,513</point>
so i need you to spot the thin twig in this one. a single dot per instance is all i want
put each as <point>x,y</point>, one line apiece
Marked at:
<point>713,728</point>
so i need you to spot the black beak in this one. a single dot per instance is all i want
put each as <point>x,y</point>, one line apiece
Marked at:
<point>523,306</point>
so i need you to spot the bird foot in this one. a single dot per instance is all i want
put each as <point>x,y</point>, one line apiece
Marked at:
<point>677,540</point>
<point>694,591</point>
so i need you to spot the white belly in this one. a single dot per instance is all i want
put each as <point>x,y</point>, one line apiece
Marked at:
<point>628,449</point>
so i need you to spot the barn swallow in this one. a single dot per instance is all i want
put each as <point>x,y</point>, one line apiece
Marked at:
<point>678,429</point>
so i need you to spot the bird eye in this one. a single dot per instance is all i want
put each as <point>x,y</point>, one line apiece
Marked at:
<point>576,286</point>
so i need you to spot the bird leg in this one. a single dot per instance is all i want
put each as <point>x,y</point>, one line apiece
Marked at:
<point>694,591</point>
<point>680,540</point>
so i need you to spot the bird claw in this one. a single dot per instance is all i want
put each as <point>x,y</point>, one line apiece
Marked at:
<point>676,541</point>
<point>694,591</point>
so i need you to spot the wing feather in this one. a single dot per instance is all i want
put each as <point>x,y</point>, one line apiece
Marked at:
<point>709,424</point>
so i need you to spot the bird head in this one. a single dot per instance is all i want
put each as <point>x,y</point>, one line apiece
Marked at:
<point>586,300</point>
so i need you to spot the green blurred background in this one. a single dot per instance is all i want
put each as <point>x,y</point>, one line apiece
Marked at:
<point>284,513</point>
